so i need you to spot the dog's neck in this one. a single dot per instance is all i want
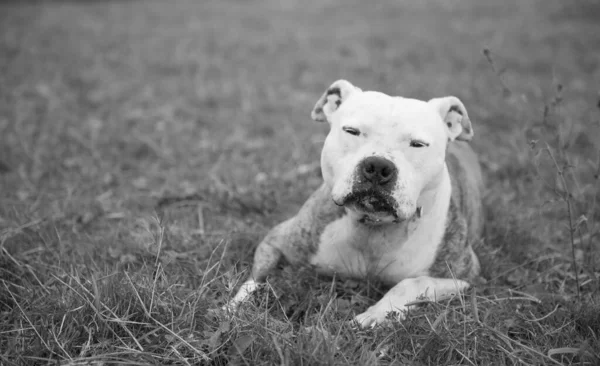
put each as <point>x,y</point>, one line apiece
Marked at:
<point>437,194</point>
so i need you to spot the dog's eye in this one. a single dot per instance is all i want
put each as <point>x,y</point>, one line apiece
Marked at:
<point>417,143</point>
<point>351,130</point>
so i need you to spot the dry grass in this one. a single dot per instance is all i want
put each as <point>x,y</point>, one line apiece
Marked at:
<point>145,148</point>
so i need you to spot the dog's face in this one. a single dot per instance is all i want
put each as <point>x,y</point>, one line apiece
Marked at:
<point>382,152</point>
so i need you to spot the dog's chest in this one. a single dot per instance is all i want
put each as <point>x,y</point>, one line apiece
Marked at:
<point>391,254</point>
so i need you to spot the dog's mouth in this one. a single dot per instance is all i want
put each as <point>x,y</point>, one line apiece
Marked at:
<point>375,206</point>
<point>372,202</point>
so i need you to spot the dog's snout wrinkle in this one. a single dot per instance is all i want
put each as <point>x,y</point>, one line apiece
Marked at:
<point>377,170</point>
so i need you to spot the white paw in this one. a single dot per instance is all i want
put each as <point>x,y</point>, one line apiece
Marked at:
<point>231,307</point>
<point>222,311</point>
<point>376,315</point>
<point>242,296</point>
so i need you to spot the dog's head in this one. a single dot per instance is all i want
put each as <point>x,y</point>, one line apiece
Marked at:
<point>383,152</point>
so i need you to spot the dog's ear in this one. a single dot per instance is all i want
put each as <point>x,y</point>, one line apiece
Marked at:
<point>331,100</point>
<point>454,114</point>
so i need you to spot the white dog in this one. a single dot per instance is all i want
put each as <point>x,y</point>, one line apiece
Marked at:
<point>401,200</point>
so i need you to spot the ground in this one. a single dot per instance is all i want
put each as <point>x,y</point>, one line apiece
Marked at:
<point>146,147</point>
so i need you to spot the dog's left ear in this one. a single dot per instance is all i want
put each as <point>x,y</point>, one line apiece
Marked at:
<point>454,114</point>
<point>331,100</point>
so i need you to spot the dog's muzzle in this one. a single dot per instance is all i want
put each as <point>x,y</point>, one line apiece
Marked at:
<point>374,179</point>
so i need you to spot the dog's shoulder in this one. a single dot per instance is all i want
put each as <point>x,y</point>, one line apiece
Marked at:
<point>464,221</point>
<point>318,211</point>
<point>298,238</point>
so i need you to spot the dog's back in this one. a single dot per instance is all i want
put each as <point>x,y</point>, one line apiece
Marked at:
<point>467,186</point>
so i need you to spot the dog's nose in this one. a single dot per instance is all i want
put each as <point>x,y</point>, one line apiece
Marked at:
<point>378,170</point>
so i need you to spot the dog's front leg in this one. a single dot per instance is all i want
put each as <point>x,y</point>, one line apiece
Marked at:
<point>266,257</point>
<point>407,291</point>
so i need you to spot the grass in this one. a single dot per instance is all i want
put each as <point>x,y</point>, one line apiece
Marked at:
<point>146,147</point>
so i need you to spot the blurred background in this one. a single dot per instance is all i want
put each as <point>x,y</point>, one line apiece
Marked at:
<point>147,99</point>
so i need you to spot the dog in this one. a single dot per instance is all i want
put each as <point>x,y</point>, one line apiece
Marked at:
<point>401,200</point>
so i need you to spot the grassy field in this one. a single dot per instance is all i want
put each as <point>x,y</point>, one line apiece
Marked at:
<point>146,147</point>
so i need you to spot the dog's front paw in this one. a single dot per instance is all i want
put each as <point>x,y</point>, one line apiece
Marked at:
<point>226,310</point>
<point>376,315</point>
<point>242,296</point>
<point>230,308</point>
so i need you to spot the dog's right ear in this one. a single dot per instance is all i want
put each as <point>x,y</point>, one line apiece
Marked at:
<point>331,100</point>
